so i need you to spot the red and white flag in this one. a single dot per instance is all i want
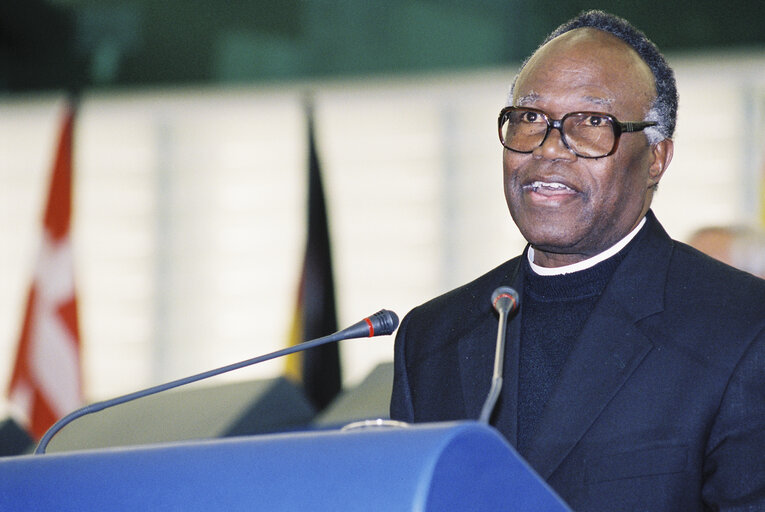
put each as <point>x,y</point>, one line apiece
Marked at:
<point>46,380</point>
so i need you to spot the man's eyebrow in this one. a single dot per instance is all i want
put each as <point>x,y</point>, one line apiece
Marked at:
<point>603,102</point>
<point>533,97</point>
<point>528,98</point>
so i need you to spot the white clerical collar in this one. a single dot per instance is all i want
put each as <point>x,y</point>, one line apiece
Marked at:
<point>589,262</point>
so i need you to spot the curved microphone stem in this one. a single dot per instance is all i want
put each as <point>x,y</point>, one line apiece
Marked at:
<point>381,323</point>
<point>496,379</point>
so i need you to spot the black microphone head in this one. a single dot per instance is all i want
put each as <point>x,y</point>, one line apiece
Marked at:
<point>382,323</point>
<point>505,299</point>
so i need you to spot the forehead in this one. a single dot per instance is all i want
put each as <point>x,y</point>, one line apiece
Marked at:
<point>586,69</point>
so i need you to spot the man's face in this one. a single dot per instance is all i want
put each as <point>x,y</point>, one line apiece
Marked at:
<point>568,207</point>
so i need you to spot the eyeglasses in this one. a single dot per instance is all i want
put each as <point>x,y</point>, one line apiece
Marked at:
<point>587,134</point>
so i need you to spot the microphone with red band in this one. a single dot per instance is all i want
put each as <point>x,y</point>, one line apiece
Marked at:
<point>505,301</point>
<point>380,324</point>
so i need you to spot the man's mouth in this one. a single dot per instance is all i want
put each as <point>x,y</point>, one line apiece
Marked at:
<point>549,188</point>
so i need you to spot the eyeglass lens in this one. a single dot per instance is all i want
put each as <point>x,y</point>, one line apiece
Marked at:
<point>586,134</point>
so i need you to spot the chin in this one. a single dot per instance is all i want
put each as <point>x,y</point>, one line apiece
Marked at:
<point>555,238</point>
<point>549,224</point>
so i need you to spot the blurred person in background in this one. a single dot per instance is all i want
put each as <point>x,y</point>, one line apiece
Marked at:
<point>742,247</point>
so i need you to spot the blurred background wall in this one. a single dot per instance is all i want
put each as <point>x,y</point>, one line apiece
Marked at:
<point>190,158</point>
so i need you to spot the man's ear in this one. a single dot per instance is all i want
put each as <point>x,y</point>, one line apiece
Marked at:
<point>662,156</point>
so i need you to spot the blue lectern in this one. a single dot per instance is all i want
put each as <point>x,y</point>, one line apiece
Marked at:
<point>429,467</point>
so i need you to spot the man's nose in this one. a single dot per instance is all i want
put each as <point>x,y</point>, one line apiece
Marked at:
<point>553,147</point>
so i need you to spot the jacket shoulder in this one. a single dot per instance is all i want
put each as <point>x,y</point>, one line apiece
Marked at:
<point>468,300</point>
<point>710,308</point>
<point>698,277</point>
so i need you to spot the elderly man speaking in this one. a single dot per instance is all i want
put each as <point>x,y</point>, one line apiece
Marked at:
<point>634,374</point>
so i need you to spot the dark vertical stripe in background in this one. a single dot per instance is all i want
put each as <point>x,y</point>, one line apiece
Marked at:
<point>316,314</point>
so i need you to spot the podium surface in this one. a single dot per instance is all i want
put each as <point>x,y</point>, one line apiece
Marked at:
<point>427,467</point>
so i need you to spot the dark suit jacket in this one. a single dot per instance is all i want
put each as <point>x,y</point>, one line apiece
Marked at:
<point>660,405</point>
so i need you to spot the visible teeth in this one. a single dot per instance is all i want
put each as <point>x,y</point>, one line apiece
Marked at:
<point>548,185</point>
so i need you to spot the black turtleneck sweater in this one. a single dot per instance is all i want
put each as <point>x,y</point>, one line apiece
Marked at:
<point>553,313</point>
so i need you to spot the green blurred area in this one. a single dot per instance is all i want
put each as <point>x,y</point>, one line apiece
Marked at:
<point>64,44</point>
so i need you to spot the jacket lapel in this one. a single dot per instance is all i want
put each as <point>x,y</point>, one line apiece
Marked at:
<point>608,351</point>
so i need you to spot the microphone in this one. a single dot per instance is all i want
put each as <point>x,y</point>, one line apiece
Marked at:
<point>380,324</point>
<point>505,301</point>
